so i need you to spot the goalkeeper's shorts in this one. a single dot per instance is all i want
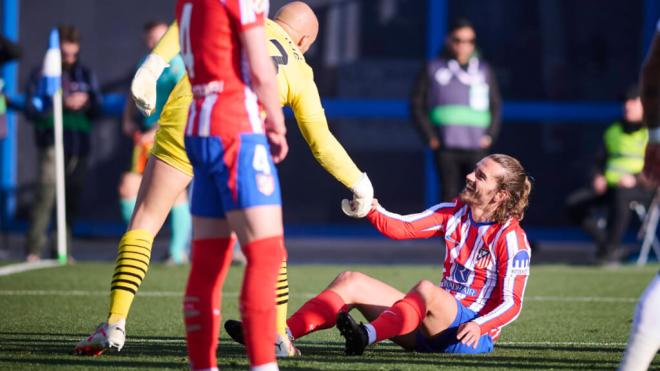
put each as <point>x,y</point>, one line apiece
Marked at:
<point>169,145</point>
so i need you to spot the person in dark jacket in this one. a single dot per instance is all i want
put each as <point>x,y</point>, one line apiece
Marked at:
<point>456,107</point>
<point>81,104</point>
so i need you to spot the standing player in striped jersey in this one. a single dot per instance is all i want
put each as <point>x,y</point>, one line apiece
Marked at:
<point>235,188</point>
<point>484,273</point>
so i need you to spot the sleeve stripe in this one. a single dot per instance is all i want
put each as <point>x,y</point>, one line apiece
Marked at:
<point>512,286</point>
<point>508,288</point>
<point>511,244</point>
<point>247,11</point>
<point>414,217</point>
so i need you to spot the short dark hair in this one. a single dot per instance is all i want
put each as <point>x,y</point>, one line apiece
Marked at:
<point>633,92</point>
<point>153,24</point>
<point>459,23</point>
<point>69,33</point>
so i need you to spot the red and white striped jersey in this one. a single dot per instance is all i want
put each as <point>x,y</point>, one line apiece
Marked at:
<point>486,264</point>
<point>217,66</point>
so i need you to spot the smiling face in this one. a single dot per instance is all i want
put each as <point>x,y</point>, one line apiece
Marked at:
<point>482,188</point>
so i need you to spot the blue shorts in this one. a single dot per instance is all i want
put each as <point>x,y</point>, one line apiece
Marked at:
<point>446,341</point>
<point>230,174</point>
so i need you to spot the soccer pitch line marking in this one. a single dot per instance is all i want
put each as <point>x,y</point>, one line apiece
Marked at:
<point>178,294</point>
<point>182,341</point>
<point>24,267</point>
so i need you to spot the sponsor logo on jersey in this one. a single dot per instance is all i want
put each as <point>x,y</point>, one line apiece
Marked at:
<point>461,274</point>
<point>458,288</point>
<point>265,184</point>
<point>520,263</point>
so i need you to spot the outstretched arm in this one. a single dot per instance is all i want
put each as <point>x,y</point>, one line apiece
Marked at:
<point>428,223</point>
<point>306,106</point>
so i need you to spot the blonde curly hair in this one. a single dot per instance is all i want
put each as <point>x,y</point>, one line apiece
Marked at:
<point>516,183</point>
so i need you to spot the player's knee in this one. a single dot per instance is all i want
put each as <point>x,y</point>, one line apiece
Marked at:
<point>347,278</point>
<point>425,289</point>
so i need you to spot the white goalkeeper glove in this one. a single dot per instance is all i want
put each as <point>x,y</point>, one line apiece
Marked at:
<point>363,195</point>
<point>143,87</point>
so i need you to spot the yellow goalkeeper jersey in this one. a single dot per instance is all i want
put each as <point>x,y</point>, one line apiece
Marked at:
<point>297,90</point>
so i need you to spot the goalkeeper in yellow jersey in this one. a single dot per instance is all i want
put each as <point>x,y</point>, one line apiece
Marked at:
<point>169,172</point>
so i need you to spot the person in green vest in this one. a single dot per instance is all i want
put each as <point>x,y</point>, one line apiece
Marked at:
<point>456,107</point>
<point>617,181</point>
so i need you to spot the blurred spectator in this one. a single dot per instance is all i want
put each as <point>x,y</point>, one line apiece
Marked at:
<point>617,181</point>
<point>143,131</point>
<point>81,104</point>
<point>456,107</point>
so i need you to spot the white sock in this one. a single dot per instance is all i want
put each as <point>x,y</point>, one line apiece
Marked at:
<point>371,332</point>
<point>272,366</point>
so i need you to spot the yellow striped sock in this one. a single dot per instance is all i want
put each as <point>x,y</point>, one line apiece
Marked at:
<point>130,268</point>
<point>282,299</point>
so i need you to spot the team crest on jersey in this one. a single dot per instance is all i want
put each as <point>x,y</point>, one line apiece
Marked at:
<point>520,263</point>
<point>483,258</point>
<point>265,184</point>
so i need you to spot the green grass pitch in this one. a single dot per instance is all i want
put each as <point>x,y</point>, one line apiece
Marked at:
<point>573,318</point>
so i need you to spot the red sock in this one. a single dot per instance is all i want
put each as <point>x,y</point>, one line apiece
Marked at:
<point>401,318</point>
<point>201,303</point>
<point>316,314</point>
<point>257,302</point>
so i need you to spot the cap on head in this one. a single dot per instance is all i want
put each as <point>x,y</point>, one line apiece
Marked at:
<point>300,22</point>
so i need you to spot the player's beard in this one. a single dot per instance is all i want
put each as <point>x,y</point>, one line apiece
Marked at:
<point>470,195</point>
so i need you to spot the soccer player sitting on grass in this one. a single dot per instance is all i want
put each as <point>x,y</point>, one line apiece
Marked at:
<point>484,273</point>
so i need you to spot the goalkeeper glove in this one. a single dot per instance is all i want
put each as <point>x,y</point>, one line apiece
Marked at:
<point>143,87</point>
<point>363,195</point>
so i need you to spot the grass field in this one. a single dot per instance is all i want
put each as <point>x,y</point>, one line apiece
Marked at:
<point>573,318</point>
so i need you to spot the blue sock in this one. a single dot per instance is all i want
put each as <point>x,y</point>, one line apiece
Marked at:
<point>181,224</point>
<point>126,205</point>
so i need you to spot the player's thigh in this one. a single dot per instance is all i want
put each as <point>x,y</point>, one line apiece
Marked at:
<point>441,307</point>
<point>207,228</point>
<point>255,223</point>
<point>160,187</point>
<point>367,294</point>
